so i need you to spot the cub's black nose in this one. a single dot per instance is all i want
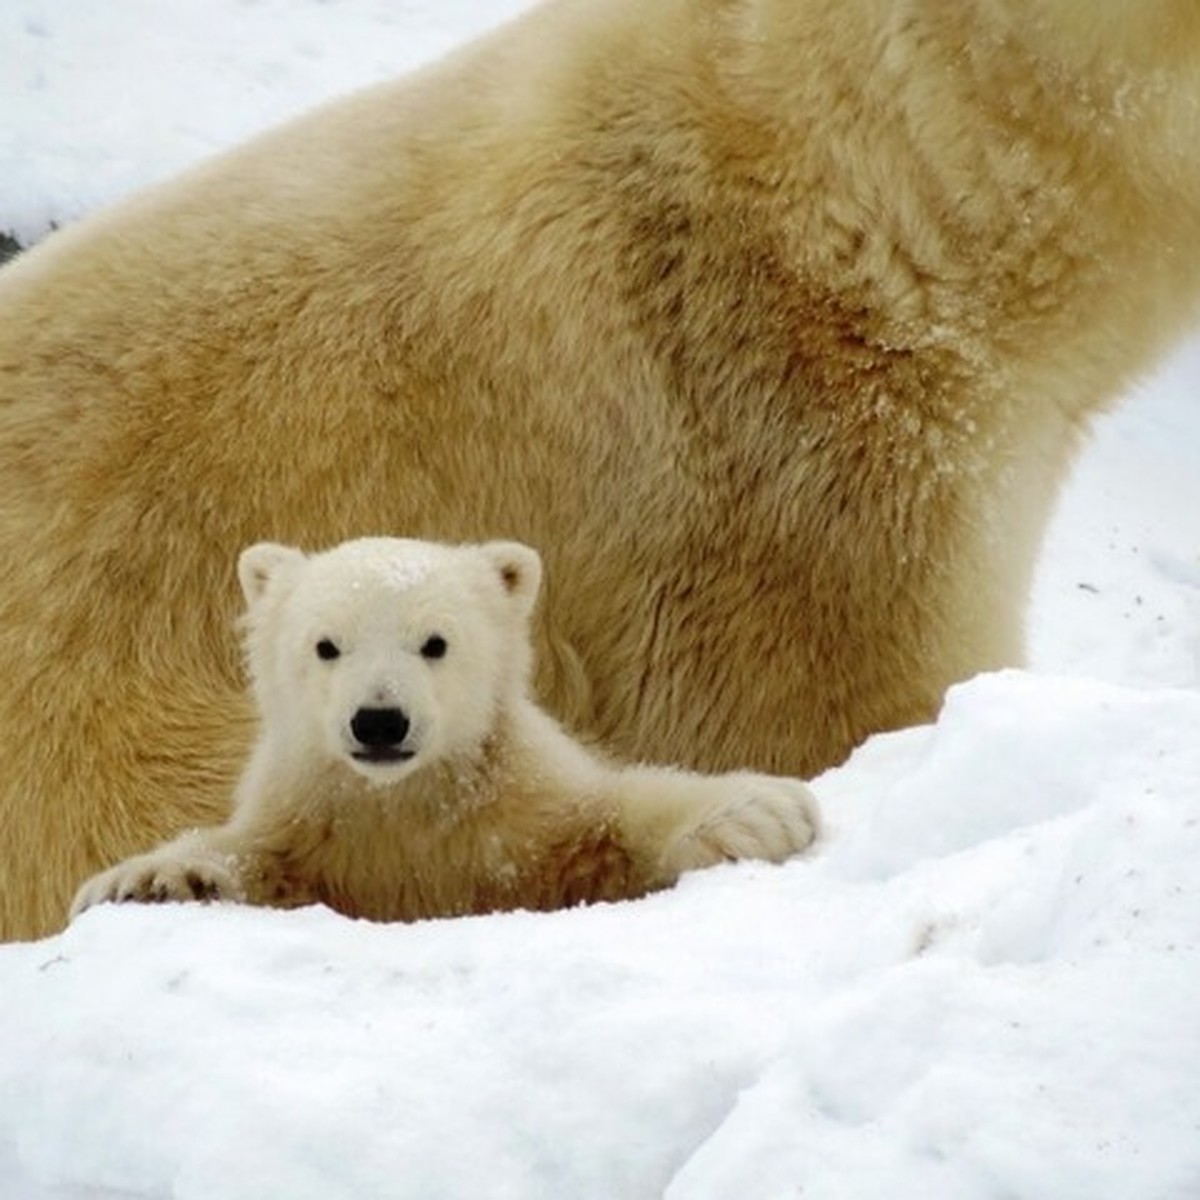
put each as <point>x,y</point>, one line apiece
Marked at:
<point>379,727</point>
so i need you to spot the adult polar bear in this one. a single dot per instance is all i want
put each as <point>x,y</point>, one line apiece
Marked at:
<point>773,324</point>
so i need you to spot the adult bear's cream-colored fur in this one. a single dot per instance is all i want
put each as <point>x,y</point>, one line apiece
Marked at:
<point>403,771</point>
<point>772,323</point>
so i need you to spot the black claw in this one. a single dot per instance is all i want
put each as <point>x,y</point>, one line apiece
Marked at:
<point>201,888</point>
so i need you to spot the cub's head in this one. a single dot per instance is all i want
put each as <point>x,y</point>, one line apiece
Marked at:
<point>388,653</point>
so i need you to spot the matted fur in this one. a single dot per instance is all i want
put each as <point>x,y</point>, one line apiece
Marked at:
<point>772,323</point>
<point>491,807</point>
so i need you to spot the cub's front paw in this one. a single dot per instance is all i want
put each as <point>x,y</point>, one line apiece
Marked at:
<point>765,817</point>
<point>160,876</point>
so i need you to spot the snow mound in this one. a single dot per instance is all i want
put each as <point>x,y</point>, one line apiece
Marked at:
<point>984,984</point>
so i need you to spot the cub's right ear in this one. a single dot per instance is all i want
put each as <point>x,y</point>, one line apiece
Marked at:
<point>519,568</point>
<point>262,562</point>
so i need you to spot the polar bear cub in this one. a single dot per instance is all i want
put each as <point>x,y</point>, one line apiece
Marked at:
<point>403,771</point>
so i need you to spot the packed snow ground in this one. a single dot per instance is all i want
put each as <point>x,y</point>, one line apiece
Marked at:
<point>986,983</point>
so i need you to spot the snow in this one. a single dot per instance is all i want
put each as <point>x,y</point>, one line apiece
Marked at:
<point>986,983</point>
<point>101,98</point>
<point>399,564</point>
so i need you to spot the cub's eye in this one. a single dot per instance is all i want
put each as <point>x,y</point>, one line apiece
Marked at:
<point>327,650</point>
<point>435,647</point>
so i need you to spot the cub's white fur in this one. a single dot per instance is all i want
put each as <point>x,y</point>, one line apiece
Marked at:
<point>402,770</point>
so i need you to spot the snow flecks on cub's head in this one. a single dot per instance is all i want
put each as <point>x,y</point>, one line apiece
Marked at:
<point>388,653</point>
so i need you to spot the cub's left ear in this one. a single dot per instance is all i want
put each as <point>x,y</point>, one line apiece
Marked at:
<point>519,568</point>
<point>262,562</point>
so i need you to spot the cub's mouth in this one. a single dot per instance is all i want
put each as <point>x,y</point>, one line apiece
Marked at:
<point>382,754</point>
